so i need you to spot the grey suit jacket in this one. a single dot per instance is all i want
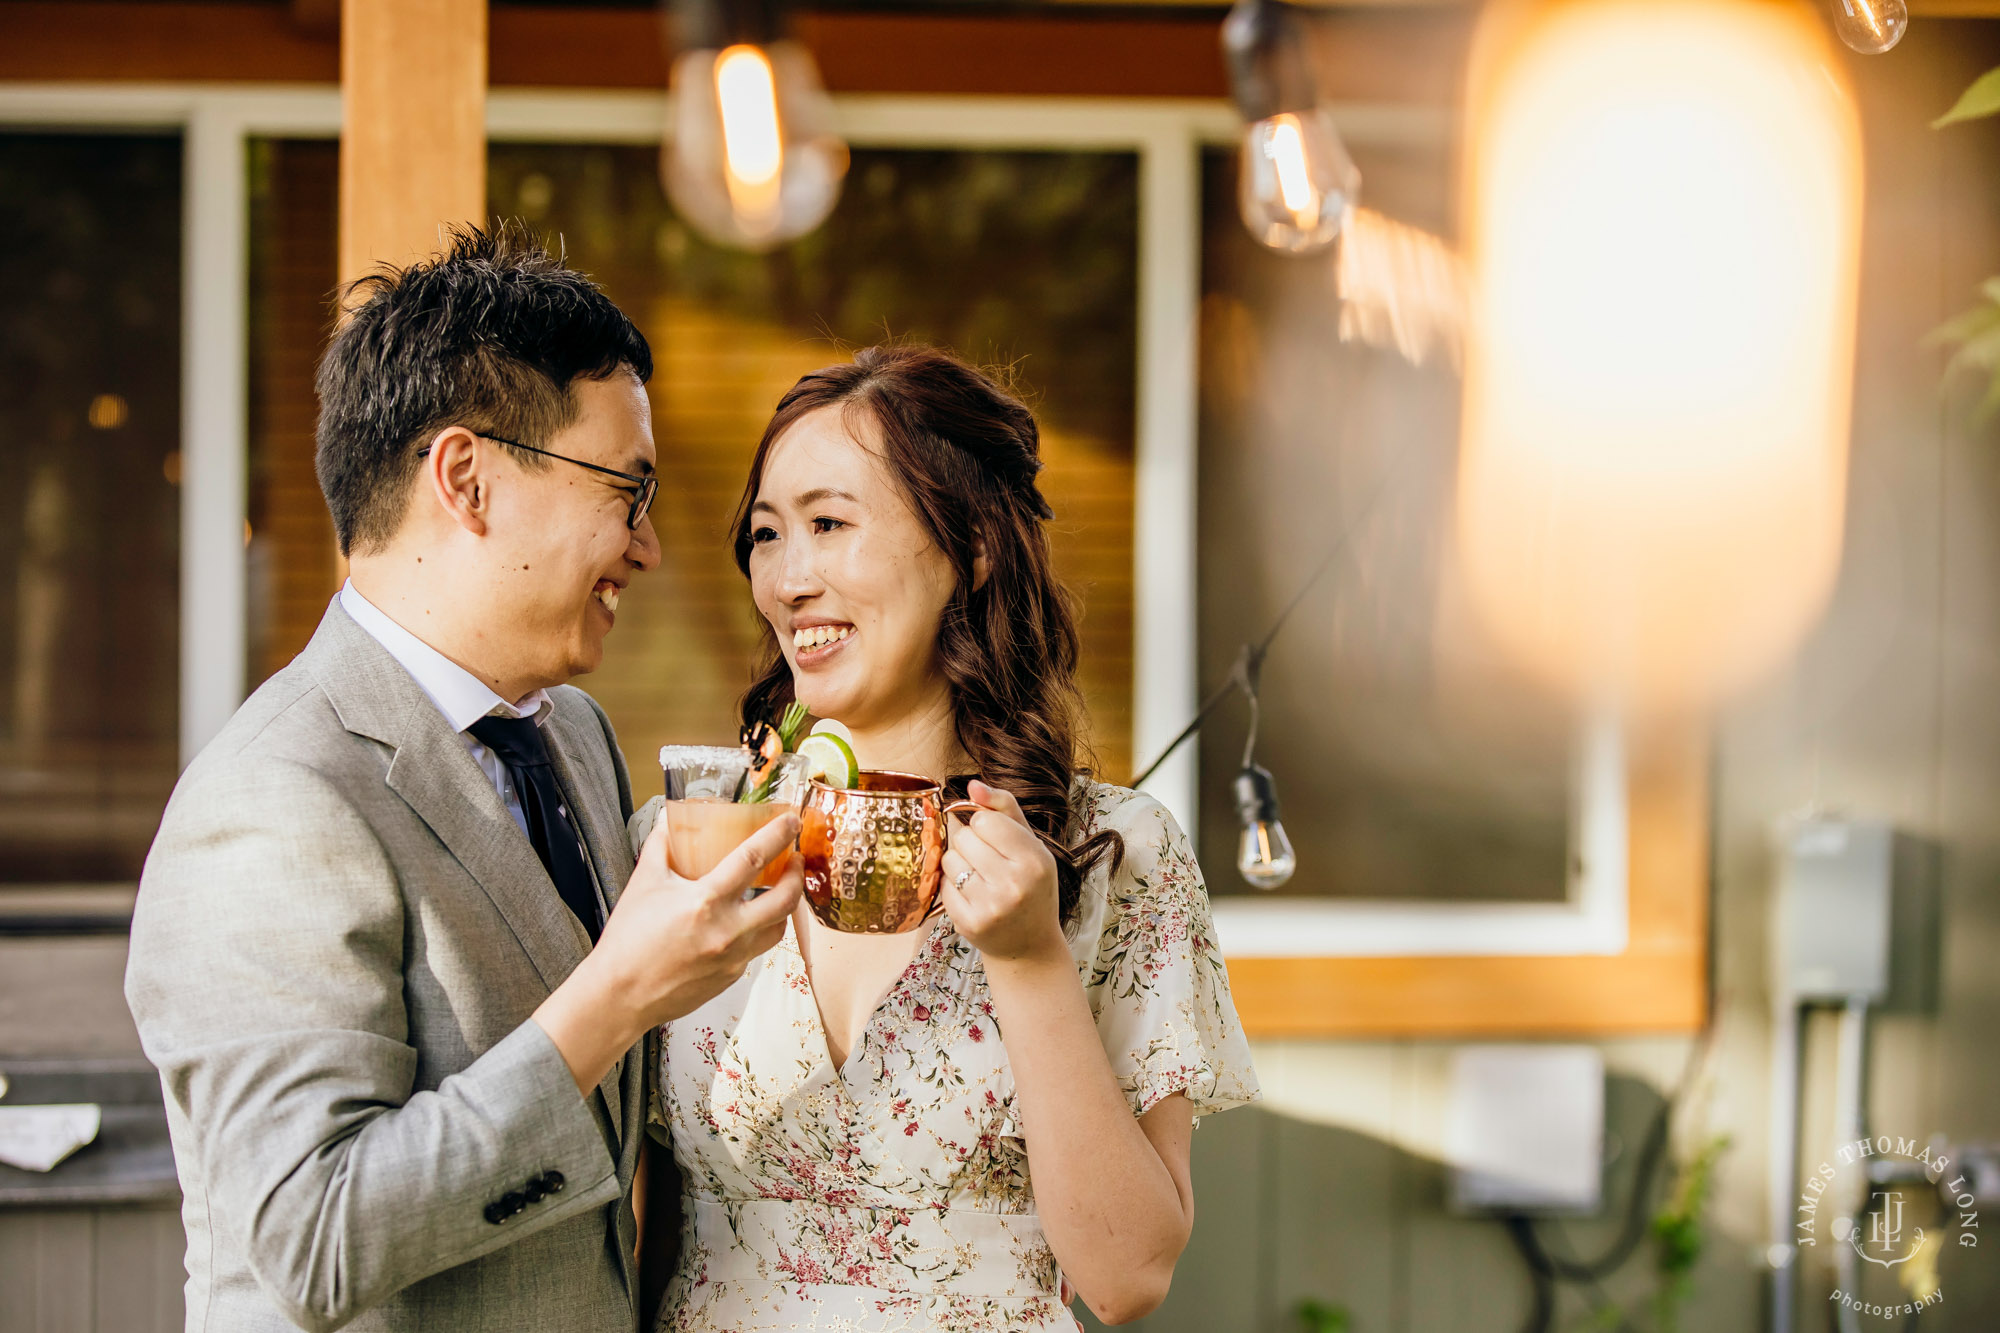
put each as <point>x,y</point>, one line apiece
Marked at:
<point>339,939</point>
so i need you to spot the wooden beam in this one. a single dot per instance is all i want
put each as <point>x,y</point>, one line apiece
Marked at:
<point>413,126</point>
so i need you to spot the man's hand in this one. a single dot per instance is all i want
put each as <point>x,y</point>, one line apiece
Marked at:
<point>671,945</point>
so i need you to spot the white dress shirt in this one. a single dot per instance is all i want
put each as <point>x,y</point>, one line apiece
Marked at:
<point>461,696</point>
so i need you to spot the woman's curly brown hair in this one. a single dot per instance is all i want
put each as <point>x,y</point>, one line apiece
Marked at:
<point>966,453</point>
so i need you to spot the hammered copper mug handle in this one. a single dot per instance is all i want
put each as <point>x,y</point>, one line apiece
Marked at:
<point>944,818</point>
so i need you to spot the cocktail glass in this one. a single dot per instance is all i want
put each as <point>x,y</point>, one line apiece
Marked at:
<point>705,822</point>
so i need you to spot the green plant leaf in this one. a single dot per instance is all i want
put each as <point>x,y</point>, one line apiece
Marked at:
<point>1320,1317</point>
<point>1965,326</point>
<point>1990,403</point>
<point>1981,352</point>
<point>1975,334</point>
<point>1981,99</point>
<point>791,724</point>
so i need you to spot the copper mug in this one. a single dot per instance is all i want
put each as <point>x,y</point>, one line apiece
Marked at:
<point>872,852</point>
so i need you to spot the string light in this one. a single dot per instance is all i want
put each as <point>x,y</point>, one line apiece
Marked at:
<point>752,159</point>
<point>1264,855</point>
<point>1297,185</point>
<point>1870,26</point>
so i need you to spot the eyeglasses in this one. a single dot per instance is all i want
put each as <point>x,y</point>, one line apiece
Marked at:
<point>642,497</point>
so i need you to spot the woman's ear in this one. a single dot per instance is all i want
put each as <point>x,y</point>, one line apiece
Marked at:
<point>982,568</point>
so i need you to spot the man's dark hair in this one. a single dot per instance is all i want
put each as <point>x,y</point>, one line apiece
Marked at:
<point>490,335</point>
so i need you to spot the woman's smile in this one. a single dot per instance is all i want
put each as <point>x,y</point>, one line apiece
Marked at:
<point>815,645</point>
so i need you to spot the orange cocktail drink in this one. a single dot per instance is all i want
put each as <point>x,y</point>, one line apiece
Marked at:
<point>706,814</point>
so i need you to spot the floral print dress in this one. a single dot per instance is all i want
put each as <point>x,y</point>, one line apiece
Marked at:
<point>892,1193</point>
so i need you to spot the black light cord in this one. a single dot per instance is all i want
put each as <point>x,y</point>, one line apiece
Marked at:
<point>1250,672</point>
<point>1250,661</point>
<point>1545,1269</point>
<point>1634,1230</point>
<point>1542,1314</point>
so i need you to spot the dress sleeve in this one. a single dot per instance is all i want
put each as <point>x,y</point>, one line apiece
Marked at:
<point>640,826</point>
<point>658,1126</point>
<point>1158,985</point>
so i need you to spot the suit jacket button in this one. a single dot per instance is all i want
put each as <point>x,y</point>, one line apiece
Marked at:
<point>495,1214</point>
<point>552,1181</point>
<point>534,1192</point>
<point>513,1201</point>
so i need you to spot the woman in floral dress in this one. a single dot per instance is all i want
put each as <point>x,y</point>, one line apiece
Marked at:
<point>962,1127</point>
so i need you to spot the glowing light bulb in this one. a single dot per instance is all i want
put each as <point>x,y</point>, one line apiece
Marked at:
<point>1870,26</point>
<point>1264,855</point>
<point>753,153</point>
<point>1297,184</point>
<point>751,160</point>
<point>1286,149</point>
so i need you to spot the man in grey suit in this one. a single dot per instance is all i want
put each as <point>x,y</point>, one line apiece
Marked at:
<point>391,952</point>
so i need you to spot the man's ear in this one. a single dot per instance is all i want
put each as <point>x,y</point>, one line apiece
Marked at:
<point>982,568</point>
<point>455,477</point>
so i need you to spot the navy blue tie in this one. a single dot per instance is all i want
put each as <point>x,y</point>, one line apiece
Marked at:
<point>518,742</point>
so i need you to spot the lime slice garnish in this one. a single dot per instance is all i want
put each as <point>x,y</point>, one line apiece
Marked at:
<point>826,726</point>
<point>831,758</point>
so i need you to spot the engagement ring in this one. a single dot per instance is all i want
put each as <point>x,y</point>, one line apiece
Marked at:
<point>958,881</point>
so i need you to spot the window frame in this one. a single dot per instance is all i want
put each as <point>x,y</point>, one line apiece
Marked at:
<point>1626,951</point>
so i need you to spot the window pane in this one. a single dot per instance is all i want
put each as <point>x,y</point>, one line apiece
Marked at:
<point>1025,260</point>
<point>294,212</point>
<point>89,505</point>
<point>1411,761</point>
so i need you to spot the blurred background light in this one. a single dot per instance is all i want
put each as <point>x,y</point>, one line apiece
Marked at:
<point>1663,235</point>
<point>108,411</point>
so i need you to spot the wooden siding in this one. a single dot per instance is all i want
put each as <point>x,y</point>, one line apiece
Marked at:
<point>1411,54</point>
<point>292,559</point>
<point>109,1270</point>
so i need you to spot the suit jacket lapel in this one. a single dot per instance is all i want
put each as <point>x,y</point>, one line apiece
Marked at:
<point>437,777</point>
<point>431,771</point>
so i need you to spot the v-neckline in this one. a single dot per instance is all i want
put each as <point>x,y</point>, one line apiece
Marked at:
<point>932,929</point>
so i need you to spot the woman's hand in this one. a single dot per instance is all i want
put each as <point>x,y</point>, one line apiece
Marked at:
<point>1000,882</point>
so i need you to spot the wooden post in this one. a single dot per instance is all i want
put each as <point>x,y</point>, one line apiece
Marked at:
<point>413,126</point>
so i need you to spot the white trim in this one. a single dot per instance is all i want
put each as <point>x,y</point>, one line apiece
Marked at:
<point>1166,669</point>
<point>628,116</point>
<point>215,438</point>
<point>269,108</point>
<point>1591,921</point>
